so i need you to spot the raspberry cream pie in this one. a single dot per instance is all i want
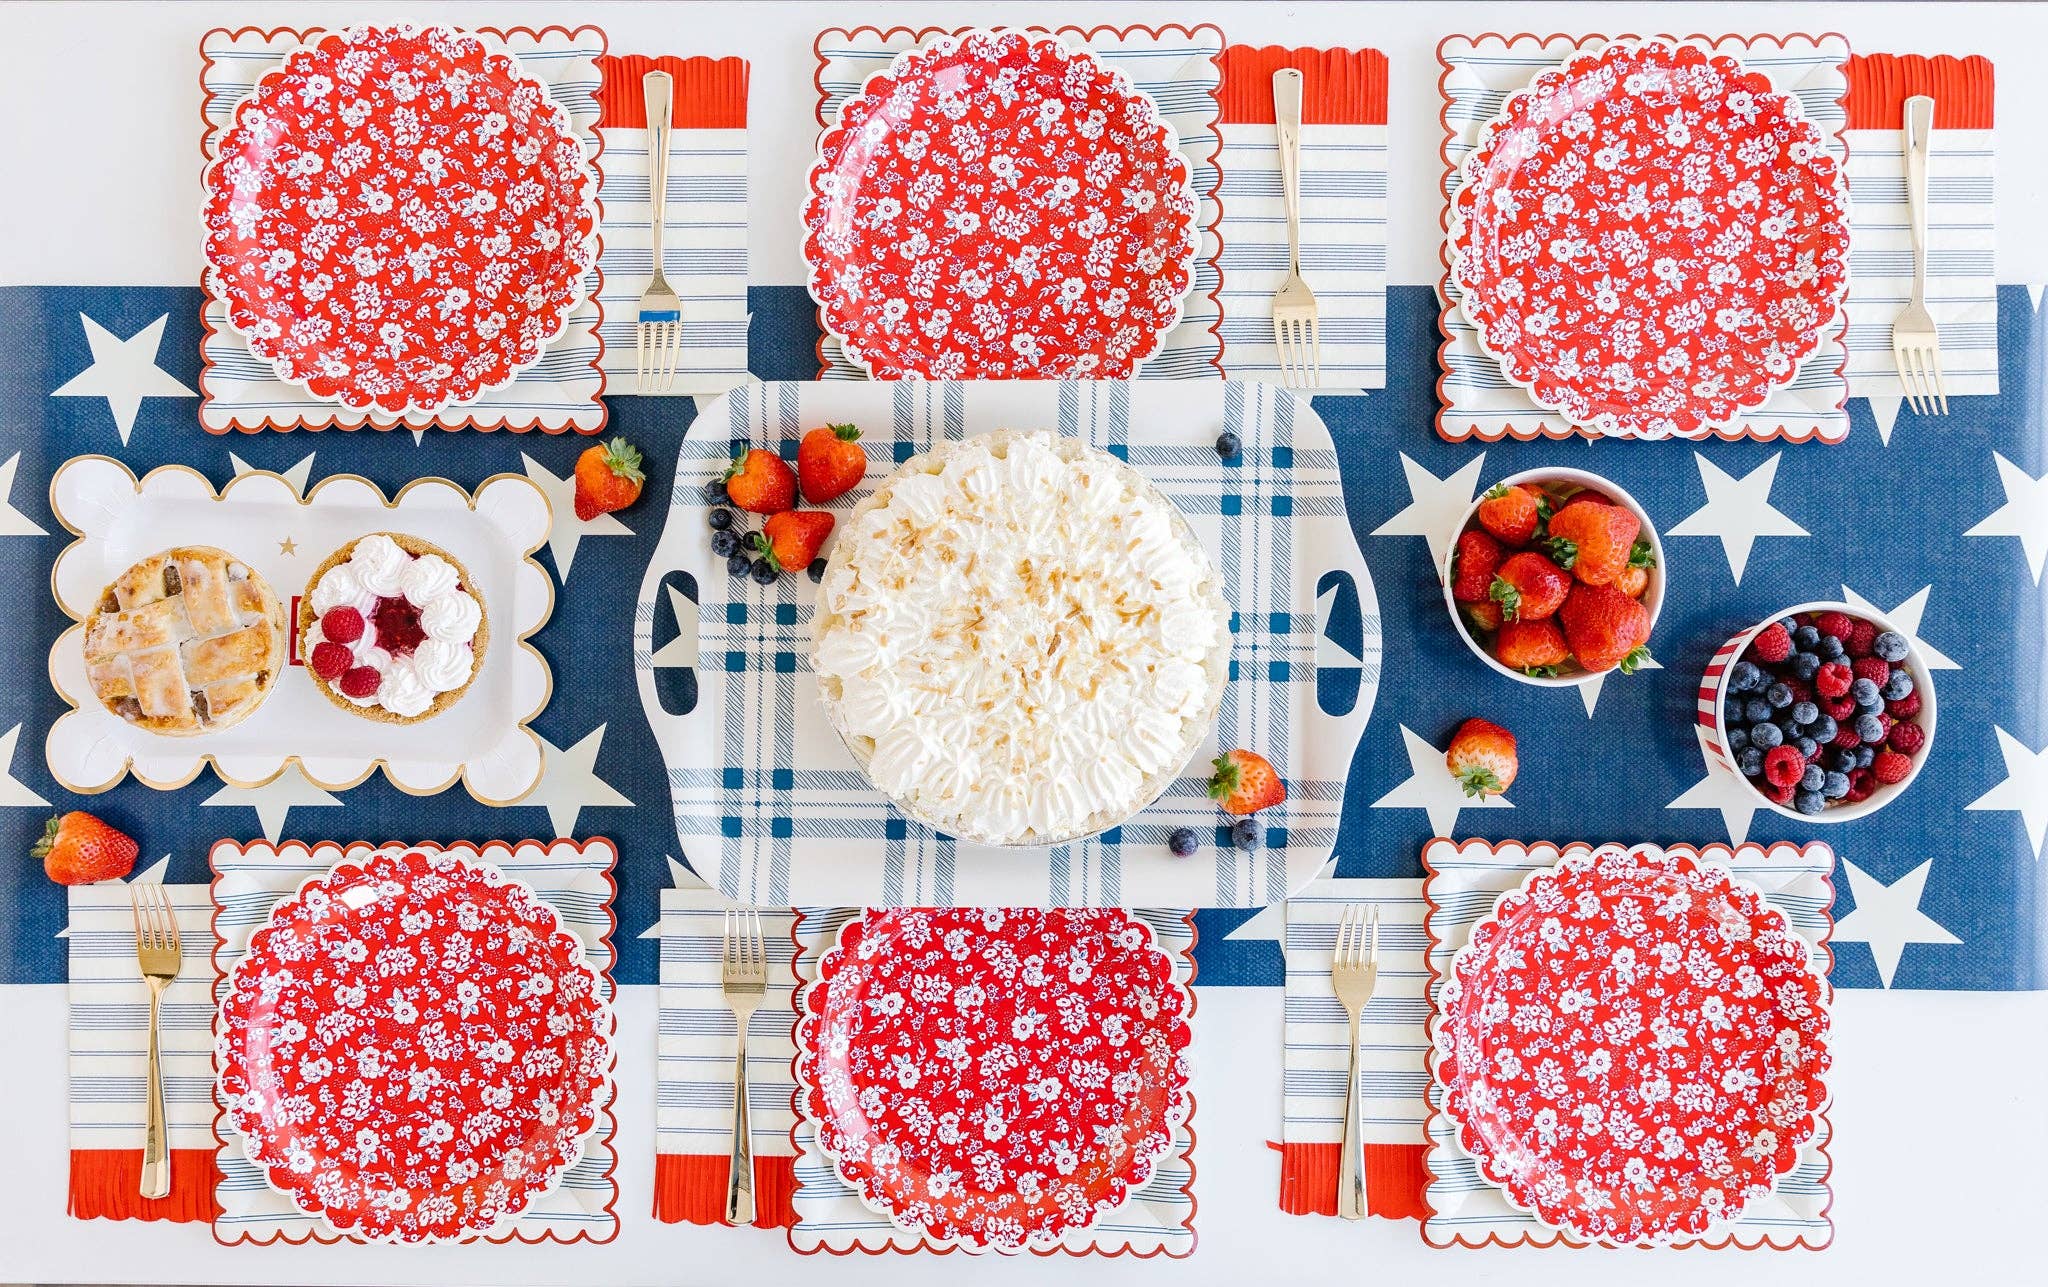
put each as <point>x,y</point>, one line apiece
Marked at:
<point>392,628</point>
<point>185,642</point>
<point>1020,639</point>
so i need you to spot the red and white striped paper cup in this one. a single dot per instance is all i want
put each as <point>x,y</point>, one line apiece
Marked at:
<point>1713,697</point>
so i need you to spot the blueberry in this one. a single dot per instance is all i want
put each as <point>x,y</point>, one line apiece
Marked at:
<point>1246,833</point>
<point>764,572</point>
<point>1805,665</point>
<point>1835,785</point>
<point>1806,746</point>
<point>725,544</point>
<point>1806,636</point>
<point>1810,802</point>
<point>1747,677</point>
<point>1812,778</point>
<point>1823,729</point>
<point>1738,738</point>
<point>1790,623</point>
<point>1756,710</point>
<point>1780,695</point>
<point>1843,759</point>
<point>1182,841</point>
<point>739,564</point>
<point>1227,444</point>
<point>1870,728</point>
<point>713,491</point>
<point>1864,692</point>
<point>1864,756</point>
<point>1890,645</point>
<point>720,518</point>
<point>1750,759</point>
<point>1805,713</point>
<point>1898,686</point>
<point>1832,648</point>
<point>816,572</point>
<point>1766,735</point>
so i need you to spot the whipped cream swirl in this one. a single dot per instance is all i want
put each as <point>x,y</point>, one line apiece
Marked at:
<point>1021,638</point>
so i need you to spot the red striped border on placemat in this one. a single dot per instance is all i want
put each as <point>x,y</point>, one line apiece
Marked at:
<point>1339,86</point>
<point>710,93</point>
<point>689,1188</point>
<point>1880,84</point>
<point>1396,1176</point>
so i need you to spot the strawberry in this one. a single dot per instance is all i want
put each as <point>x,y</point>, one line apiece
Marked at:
<point>1633,580</point>
<point>791,539</point>
<point>79,849</point>
<point>1510,513</point>
<point>608,478</point>
<point>1594,541</point>
<point>1528,587</point>
<point>1584,496</point>
<point>1245,783</point>
<point>760,483</point>
<point>1482,758</point>
<point>1473,565</point>
<point>1532,647</point>
<point>1606,628</point>
<point>1483,615</point>
<point>830,463</point>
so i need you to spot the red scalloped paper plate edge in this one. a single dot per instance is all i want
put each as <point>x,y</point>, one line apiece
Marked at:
<point>1699,853</point>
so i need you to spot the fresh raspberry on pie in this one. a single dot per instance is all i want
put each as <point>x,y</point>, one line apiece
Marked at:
<point>332,660</point>
<point>398,627</point>
<point>344,625</point>
<point>361,681</point>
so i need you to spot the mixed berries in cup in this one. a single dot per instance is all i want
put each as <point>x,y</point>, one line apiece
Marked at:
<point>1555,578</point>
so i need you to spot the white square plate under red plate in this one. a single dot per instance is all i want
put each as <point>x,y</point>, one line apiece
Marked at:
<point>482,740</point>
<point>994,1079</point>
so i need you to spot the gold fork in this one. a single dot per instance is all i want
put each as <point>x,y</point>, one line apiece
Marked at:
<point>159,956</point>
<point>1353,973</point>
<point>658,334</point>
<point>744,976</point>
<point>1297,328</point>
<point>1916,342</point>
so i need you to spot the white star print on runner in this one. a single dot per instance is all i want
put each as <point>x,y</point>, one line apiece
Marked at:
<point>297,475</point>
<point>12,793</point>
<point>1888,917</point>
<point>1435,504</point>
<point>150,875</point>
<point>1884,409</point>
<point>568,530</point>
<point>2025,789</point>
<point>12,521</point>
<point>1738,510</point>
<point>124,372</point>
<point>1907,618</point>
<point>569,783</point>
<point>1431,787</point>
<point>1720,789</point>
<point>2024,514</point>
<point>274,800</point>
<point>1589,692</point>
<point>681,650</point>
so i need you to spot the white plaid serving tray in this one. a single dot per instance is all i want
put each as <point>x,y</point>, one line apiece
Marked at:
<point>771,808</point>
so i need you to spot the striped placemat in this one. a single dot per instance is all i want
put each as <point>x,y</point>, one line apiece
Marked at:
<point>1343,209</point>
<point>1176,66</point>
<point>1462,885</point>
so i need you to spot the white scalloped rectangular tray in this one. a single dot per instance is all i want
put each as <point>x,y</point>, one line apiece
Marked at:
<point>482,740</point>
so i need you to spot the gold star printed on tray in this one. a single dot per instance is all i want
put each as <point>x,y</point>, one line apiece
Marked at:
<point>288,547</point>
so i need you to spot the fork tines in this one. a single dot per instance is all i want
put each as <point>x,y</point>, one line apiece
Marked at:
<point>745,961</point>
<point>156,924</point>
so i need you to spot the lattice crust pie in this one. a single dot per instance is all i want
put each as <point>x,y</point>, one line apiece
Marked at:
<point>1020,639</point>
<point>185,642</point>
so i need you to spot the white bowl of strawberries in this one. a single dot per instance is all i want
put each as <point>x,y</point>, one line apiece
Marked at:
<point>1555,576</point>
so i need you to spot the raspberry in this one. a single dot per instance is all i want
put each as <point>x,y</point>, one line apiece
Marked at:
<point>361,681</point>
<point>1781,794</point>
<point>344,625</point>
<point>1907,738</point>
<point>1801,691</point>
<point>1860,786</point>
<point>1874,669</point>
<point>1904,707</point>
<point>1890,767</point>
<point>1846,738</point>
<point>1783,766</point>
<point>1772,644</point>
<point>1833,680</point>
<point>1862,637</point>
<point>1837,708</point>
<point>330,660</point>
<point>1838,624</point>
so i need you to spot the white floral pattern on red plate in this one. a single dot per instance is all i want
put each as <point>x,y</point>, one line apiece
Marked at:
<point>1633,1045</point>
<point>994,1078</point>
<point>398,220</point>
<point>413,1048</point>
<point>1650,240</point>
<point>994,206</point>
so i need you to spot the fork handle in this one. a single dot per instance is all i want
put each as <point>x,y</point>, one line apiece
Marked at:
<point>156,1158</point>
<point>1350,1178</point>
<point>660,90</point>
<point>1287,124</point>
<point>1919,130</point>
<point>739,1187</point>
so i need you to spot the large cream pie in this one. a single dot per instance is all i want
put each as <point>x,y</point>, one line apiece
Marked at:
<point>392,628</point>
<point>1020,639</point>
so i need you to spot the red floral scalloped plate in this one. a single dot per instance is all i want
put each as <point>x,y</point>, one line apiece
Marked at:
<point>994,1078</point>
<point>1633,1045</point>
<point>1650,240</point>
<point>398,220</point>
<point>413,1048</point>
<point>996,206</point>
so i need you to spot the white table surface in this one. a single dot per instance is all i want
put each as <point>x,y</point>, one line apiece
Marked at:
<point>1941,1102</point>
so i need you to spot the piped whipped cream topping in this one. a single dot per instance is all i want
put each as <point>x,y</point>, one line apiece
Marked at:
<point>1024,639</point>
<point>379,568</point>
